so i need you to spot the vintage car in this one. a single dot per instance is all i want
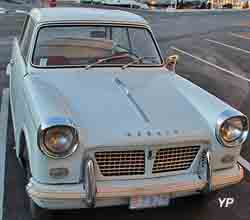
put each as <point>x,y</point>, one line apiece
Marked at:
<point>100,120</point>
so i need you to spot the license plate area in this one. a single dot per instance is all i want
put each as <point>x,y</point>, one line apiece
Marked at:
<point>143,202</point>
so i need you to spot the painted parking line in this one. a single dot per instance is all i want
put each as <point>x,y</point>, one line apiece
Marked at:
<point>244,163</point>
<point>227,45</point>
<point>3,139</point>
<point>6,41</point>
<point>210,64</point>
<point>240,36</point>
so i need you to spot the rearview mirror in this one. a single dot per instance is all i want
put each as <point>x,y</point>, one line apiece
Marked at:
<point>171,62</point>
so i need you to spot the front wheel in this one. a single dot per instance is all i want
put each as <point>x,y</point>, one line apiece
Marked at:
<point>36,212</point>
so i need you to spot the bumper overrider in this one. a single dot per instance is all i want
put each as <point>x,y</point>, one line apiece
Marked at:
<point>117,192</point>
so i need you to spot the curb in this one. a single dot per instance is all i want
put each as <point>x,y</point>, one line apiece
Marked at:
<point>3,138</point>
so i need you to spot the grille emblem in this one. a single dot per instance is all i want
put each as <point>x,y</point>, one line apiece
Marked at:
<point>150,155</point>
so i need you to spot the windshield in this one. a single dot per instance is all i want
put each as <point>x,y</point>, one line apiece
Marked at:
<point>85,45</point>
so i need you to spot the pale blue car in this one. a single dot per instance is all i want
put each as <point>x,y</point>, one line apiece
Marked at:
<point>100,121</point>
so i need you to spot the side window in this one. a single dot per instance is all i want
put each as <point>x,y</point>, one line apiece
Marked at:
<point>27,35</point>
<point>138,38</point>
<point>120,37</point>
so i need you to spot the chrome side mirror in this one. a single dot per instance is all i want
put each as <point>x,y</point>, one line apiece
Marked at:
<point>171,62</point>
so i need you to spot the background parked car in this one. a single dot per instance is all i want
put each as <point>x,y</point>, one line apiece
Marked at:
<point>159,3</point>
<point>228,5</point>
<point>245,5</point>
<point>91,1</point>
<point>48,3</point>
<point>125,3</point>
<point>189,4</point>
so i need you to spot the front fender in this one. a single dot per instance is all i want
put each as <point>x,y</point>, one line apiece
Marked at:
<point>45,101</point>
<point>45,104</point>
<point>210,107</point>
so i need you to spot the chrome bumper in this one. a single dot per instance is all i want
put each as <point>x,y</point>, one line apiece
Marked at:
<point>71,196</point>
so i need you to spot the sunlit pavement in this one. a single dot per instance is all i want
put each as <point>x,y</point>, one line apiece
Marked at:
<point>214,52</point>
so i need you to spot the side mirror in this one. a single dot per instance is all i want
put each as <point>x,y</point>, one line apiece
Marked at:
<point>171,62</point>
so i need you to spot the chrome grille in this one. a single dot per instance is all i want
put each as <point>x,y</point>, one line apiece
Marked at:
<point>174,159</point>
<point>121,163</point>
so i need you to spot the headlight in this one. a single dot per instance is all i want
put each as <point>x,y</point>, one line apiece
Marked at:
<point>58,141</point>
<point>232,130</point>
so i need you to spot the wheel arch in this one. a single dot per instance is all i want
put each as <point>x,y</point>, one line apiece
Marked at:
<point>23,146</point>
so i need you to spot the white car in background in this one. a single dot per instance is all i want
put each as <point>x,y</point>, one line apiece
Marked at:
<point>125,3</point>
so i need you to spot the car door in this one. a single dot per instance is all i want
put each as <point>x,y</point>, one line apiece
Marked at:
<point>18,71</point>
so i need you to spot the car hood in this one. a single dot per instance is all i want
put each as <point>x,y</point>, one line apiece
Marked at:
<point>111,105</point>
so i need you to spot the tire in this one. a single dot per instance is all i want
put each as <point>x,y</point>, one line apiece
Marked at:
<point>36,212</point>
<point>11,136</point>
<point>211,196</point>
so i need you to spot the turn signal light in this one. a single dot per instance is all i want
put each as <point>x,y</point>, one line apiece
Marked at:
<point>58,172</point>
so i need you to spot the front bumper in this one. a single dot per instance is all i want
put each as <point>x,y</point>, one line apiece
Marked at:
<point>112,193</point>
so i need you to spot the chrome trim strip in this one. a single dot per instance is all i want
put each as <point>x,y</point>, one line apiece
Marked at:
<point>223,117</point>
<point>54,121</point>
<point>209,170</point>
<point>122,86</point>
<point>208,187</point>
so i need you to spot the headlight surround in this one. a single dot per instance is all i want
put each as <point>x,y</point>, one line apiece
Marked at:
<point>231,129</point>
<point>58,141</point>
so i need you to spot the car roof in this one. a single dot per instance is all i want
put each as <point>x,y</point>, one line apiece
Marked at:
<point>61,14</point>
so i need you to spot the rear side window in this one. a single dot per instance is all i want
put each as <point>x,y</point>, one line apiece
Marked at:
<point>26,38</point>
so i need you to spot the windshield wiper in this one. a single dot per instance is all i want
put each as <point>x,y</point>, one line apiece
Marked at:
<point>106,59</point>
<point>137,60</point>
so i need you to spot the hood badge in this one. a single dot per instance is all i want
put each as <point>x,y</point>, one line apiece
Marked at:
<point>122,86</point>
<point>150,155</point>
<point>150,133</point>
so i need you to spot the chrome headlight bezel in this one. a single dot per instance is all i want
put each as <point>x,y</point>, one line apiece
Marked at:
<point>64,124</point>
<point>225,117</point>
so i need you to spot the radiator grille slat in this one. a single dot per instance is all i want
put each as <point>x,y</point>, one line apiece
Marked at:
<point>174,159</point>
<point>132,162</point>
<point>121,163</point>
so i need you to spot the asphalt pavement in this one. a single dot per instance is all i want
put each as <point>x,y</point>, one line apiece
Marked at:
<point>214,50</point>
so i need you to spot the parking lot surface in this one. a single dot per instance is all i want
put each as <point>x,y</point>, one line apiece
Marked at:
<point>214,50</point>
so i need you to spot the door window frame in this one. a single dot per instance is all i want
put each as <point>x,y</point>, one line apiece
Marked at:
<point>26,38</point>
